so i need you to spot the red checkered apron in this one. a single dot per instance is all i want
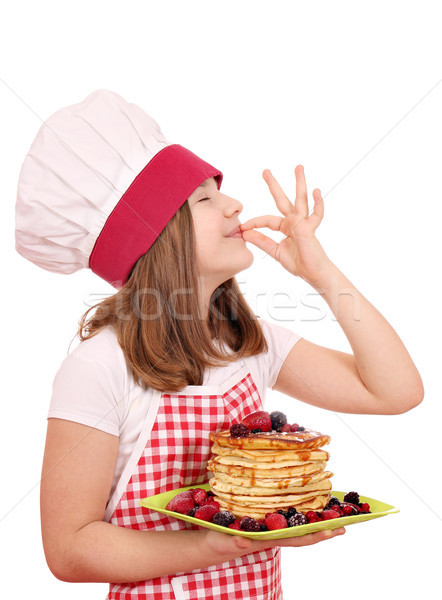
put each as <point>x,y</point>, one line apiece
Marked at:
<point>172,452</point>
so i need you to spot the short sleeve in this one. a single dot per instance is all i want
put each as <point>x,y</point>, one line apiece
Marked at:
<point>85,391</point>
<point>280,341</point>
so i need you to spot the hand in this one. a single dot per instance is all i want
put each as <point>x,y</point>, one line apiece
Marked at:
<point>300,252</point>
<point>229,546</point>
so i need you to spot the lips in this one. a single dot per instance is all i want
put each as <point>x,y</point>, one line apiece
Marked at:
<point>235,232</point>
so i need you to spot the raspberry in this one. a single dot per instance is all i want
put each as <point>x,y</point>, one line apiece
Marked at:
<point>224,518</point>
<point>278,420</point>
<point>206,513</point>
<point>249,524</point>
<point>181,503</point>
<point>239,430</point>
<point>235,525</point>
<point>350,509</point>
<point>285,428</point>
<point>330,514</point>
<point>258,420</point>
<point>294,427</point>
<point>352,497</point>
<point>365,507</point>
<point>199,495</point>
<point>275,521</point>
<point>312,517</point>
<point>298,519</point>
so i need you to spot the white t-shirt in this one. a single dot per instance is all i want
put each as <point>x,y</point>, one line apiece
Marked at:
<point>94,386</point>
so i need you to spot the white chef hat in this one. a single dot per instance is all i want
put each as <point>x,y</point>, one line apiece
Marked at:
<point>98,185</point>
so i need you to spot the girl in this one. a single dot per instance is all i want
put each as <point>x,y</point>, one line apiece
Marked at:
<point>176,352</point>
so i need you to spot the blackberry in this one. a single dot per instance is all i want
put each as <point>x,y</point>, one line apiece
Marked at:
<point>239,430</point>
<point>257,430</point>
<point>192,511</point>
<point>352,497</point>
<point>249,524</point>
<point>291,511</point>
<point>298,519</point>
<point>278,420</point>
<point>224,518</point>
<point>333,500</point>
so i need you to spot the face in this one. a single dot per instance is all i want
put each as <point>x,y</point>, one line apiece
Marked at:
<point>215,216</point>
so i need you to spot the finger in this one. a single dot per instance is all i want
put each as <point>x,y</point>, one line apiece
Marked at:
<point>301,200</point>
<point>282,202</point>
<point>271,221</point>
<point>260,240</point>
<point>318,209</point>
<point>313,538</point>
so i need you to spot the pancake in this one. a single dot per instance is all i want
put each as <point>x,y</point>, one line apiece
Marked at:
<point>271,455</point>
<point>272,440</point>
<point>239,511</point>
<point>271,482</point>
<point>221,487</point>
<point>296,471</point>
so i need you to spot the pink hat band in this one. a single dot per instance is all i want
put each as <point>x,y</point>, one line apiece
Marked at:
<point>144,210</point>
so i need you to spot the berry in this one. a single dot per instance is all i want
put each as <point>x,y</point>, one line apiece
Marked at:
<point>181,503</point>
<point>350,509</point>
<point>224,518</point>
<point>239,430</point>
<point>352,497</point>
<point>199,495</point>
<point>330,514</point>
<point>291,511</point>
<point>249,524</point>
<point>256,431</point>
<point>192,511</point>
<point>275,521</point>
<point>211,501</point>
<point>365,507</point>
<point>337,508</point>
<point>312,517</point>
<point>298,519</point>
<point>285,428</point>
<point>278,420</point>
<point>294,427</point>
<point>235,525</point>
<point>301,428</point>
<point>332,502</point>
<point>206,513</point>
<point>258,420</point>
<point>262,527</point>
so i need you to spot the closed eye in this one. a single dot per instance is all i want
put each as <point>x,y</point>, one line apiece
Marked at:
<point>202,199</point>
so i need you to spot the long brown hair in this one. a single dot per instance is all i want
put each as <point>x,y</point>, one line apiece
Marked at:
<point>157,321</point>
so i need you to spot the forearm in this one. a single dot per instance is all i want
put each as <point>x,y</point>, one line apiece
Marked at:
<point>383,363</point>
<point>102,552</point>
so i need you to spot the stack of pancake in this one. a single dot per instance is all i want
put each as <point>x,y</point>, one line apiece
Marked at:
<point>262,472</point>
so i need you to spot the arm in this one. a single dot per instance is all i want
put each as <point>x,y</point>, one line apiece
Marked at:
<point>78,469</point>
<point>380,376</point>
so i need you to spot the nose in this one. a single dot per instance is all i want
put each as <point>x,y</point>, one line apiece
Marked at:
<point>233,206</point>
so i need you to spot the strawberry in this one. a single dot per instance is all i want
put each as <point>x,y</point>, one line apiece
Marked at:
<point>210,502</point>
<point>275,521</point>
<point>181,503</point>
<point>199,495</point>
<point>258,420</point>
<point>206,512</point>
<point>330,514</point>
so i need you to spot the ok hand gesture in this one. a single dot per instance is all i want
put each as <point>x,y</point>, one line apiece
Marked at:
<point>300,252</point>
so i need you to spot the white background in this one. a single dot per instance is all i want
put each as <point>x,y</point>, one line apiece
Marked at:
<point>353,92</point>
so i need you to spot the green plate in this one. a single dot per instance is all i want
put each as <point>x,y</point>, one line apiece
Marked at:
<point>378,509</point>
